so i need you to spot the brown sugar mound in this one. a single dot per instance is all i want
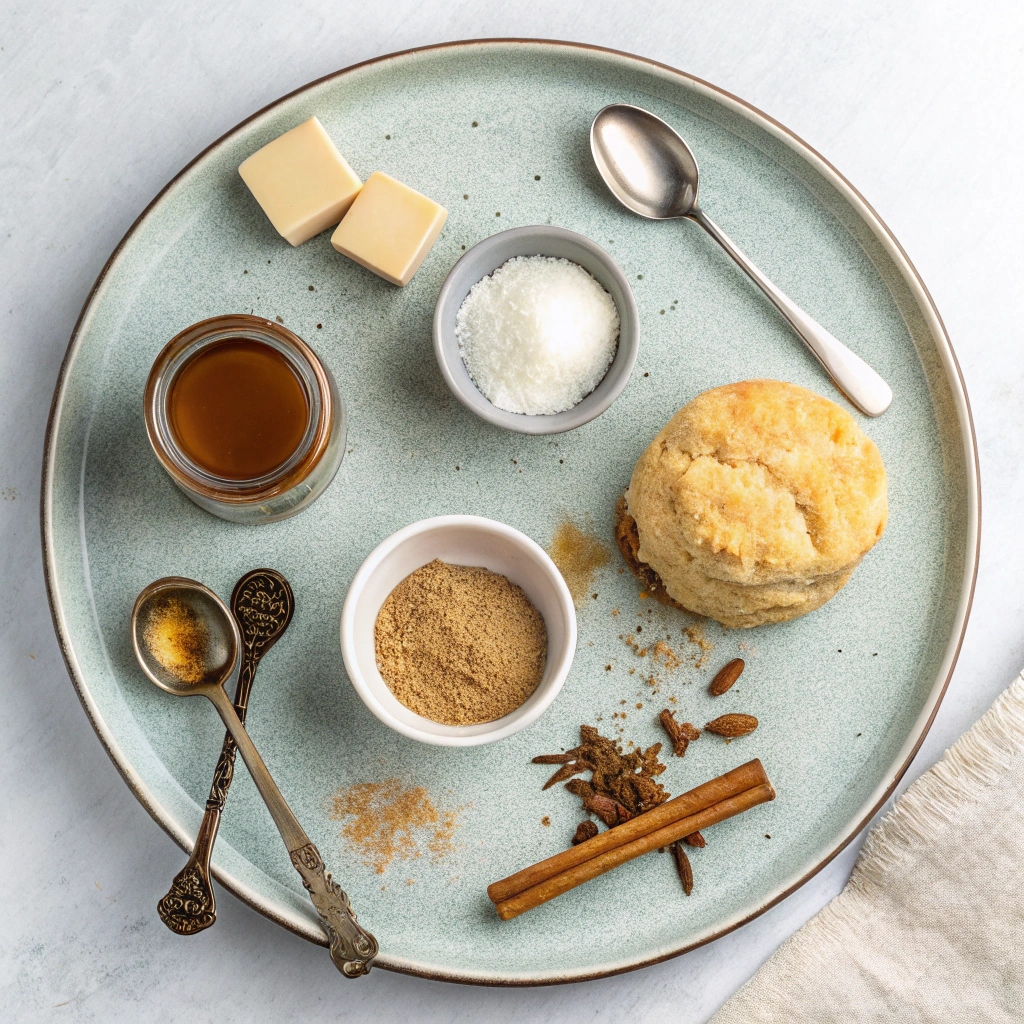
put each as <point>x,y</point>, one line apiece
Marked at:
<point>460,644</point>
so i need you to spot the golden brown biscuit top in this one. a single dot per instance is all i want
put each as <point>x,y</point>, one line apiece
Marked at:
<point>759,481</point>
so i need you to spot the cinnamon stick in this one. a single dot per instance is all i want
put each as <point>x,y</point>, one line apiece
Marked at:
<point>740,779</point>
<point>564,881</point>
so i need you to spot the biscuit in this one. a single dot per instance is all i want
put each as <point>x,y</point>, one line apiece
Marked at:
<point>755,503</point>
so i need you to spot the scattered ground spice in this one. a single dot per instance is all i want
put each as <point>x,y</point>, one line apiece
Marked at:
<point>383,821</point>
<point>631,642</point>
<point>663,653</point>
<point>578,555</point>
<point>178,639</point>
<point>546,821</point>
<point>460,644</point>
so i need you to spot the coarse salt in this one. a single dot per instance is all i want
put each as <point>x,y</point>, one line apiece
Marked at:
<point>537,335</point>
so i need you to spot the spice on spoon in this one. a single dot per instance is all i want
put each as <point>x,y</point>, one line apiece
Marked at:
<point>178,638</point>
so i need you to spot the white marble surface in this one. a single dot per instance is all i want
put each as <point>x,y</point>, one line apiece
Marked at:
<point>918,103</point>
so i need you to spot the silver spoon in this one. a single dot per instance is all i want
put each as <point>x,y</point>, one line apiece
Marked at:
<point>216,648</point>
<point>651,171</point>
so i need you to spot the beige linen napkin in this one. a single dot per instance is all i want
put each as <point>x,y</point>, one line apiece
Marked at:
<point>930,926</point>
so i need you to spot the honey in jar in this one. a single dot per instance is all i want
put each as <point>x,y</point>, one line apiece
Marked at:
<point>245,418</point>
<point>237,409</point>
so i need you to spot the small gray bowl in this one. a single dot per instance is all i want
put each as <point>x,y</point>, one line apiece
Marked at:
<point>484,258</point>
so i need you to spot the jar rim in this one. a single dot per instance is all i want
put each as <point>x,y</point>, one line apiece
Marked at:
<point>312,374</point>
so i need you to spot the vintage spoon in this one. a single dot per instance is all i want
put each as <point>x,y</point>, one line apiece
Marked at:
<point>213,656</point>
<point>262,604</point>
<point>651,171</point>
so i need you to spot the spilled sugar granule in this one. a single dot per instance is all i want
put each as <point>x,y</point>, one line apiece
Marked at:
<point>384,821</point>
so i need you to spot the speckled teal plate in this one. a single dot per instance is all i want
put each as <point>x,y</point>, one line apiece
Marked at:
<point>497,132</point>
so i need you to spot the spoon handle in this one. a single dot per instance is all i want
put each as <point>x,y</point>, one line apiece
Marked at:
<point>352,947</point>
<point>858,381</point>
<point>190,904</point>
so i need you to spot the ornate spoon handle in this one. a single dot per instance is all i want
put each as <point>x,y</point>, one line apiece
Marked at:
<point>262,603</point>
<point>352,947</point>
<point>189,905</point>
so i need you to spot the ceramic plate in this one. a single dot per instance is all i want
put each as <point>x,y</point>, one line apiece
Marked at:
<point>497,131</point>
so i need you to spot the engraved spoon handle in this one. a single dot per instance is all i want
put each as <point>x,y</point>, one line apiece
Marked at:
<point>352,947</point>
<point>190,905</point>
<point>861,384</point>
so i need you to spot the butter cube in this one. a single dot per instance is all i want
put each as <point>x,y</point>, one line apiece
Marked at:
<point>302,182</point>
<point>389,229</point>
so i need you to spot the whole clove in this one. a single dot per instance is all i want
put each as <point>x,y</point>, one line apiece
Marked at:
<point>584,830</point>
<point>727,675</point>
<point>683,867</point>
<point>681,734</point>
<point>732,726</point>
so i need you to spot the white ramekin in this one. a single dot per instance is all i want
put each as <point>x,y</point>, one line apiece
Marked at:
<point>458,540</point>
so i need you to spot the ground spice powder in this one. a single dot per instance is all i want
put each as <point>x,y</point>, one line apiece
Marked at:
<point>460,644</point>
<point>384,821</point>
<point>178,639</point>
<point>578,556</point>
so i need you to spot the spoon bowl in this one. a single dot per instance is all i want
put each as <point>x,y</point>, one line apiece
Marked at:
<point>644,162</point>
<point>223,641</point>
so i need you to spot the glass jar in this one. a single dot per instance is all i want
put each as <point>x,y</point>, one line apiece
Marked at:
<point>289,487</point>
